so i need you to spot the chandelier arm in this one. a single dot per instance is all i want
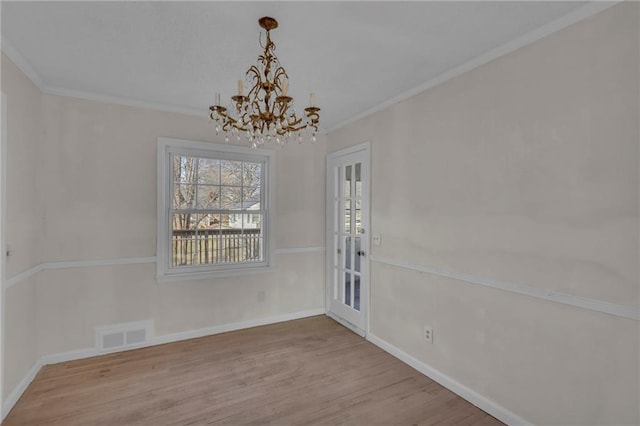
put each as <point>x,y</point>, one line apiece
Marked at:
<point>242,116</point>
<point>285,130</point>
<point>280,72</point>
<point>297,129</point>
<point>228,123</point>
<point>254,72</point>
<point>220,111</point>
<point>295,123</point>
<point>243,127</point>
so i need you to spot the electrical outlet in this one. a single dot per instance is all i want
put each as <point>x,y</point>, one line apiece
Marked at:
<point>377,239</point>
<point>428,334</point>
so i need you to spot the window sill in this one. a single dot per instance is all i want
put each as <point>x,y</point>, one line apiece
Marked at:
<point>204,275</point>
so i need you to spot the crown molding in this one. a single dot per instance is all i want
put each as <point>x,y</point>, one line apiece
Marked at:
<point>570,18</point>
<point>22,63</point>
<point>25,66</point>
<point>156,106</point>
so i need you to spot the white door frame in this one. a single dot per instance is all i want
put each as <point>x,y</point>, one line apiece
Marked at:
<point>3,257</point>
<point>365,261</point>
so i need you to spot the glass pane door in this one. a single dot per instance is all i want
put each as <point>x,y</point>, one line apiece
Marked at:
<point>349,237</point>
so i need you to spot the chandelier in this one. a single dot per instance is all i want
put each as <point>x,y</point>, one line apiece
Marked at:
<point>266,113</point>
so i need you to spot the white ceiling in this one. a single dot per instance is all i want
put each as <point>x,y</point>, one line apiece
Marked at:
<point>353,55</point>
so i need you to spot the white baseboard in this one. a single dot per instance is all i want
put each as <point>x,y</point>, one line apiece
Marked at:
<point>473,397</point>
<point>224,328</point>
<point>71,356</point>
<point>17,392</point>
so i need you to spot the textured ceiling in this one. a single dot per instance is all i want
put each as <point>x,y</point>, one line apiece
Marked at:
<point>353,55</point>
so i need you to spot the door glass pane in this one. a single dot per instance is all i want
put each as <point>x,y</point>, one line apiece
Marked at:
<point>347,289</point>
<point>340,292</point>
<point>347,253</point>
<point>358,180</point>
<point>358,217</point>
<point>339,176</point>
<point>347,182</point>
<point>357,257</point>
<point>347,216</point>
<point>356,290</point>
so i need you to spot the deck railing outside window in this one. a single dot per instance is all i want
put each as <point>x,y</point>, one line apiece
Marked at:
<point>215,246</point>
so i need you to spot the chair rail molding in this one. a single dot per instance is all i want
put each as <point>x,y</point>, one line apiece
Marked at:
<point>622,311</point>
<point>88,263</point>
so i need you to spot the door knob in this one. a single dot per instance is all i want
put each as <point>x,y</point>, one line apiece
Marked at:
<point>361,253</point>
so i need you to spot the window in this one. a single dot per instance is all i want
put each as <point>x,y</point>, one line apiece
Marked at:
<point>213,209</point>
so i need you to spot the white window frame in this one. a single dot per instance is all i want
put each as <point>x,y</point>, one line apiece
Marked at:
<point>169,146</point>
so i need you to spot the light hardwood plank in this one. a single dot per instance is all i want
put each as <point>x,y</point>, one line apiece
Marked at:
<point>311,371</point>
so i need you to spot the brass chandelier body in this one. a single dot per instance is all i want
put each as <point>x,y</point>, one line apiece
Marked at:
<point>266,112</point>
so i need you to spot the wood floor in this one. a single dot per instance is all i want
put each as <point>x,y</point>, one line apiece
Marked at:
<point>309,371</point>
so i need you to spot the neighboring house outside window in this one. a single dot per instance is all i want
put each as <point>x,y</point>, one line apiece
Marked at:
<point>247,221</point>
<point>213,209</point>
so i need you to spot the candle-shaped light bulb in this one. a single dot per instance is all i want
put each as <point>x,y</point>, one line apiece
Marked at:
<point>240,87</point>
<point>217,98</point>
<point>284,88</point>
<point>312,99</point>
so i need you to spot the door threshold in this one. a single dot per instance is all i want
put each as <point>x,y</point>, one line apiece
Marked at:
<point>344,322</point>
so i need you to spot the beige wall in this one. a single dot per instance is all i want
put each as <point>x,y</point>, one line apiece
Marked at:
<point>24,209</point>
<point>100,174</point>
<point>101,203</point>
<point>20,333</point>
<point>82,186</point>
<point>24,220</point>
<point>524,170</point>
